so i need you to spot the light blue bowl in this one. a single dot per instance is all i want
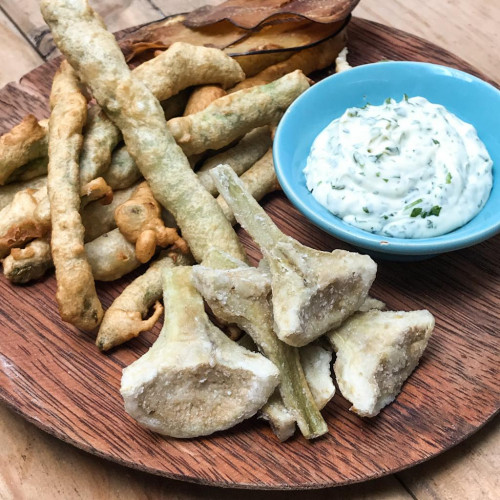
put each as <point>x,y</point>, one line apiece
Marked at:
<point>468,97</point>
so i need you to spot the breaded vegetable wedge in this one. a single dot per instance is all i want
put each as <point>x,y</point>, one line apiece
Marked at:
<point>23,143</point>
<point>376,353</point>
<point>124,320</point>
<point>194,381</point>
<point>240,157</point>
<point>313,291</point>
<point>82,38</point>
<point>234,115</point>
<point>241,296</point>
<point>76,294</point>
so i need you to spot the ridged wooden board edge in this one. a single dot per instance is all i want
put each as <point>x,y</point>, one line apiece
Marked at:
<point>53,375</point>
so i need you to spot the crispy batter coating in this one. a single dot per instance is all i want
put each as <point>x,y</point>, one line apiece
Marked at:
<point>8,192</point>
<point>32,169</point>
<point>124,319</point>
<point>201,97</point>
<point>234,115</point>
<point>23,143</point>
<point>240,157</point>
<point>259,180</point>
<point>308,60</point>
<point>81,36</point>
<point>20,220</point>
<point>139,220</point>
<point>76,294</point>
<point>123,171</point>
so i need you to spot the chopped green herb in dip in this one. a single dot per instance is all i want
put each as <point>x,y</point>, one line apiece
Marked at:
<point>408,169</point>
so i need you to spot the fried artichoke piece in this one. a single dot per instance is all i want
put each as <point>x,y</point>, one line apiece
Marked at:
<point>124,319</point>
<point>8,192</point>
<point>80,35</point>
<point>240,157</point>
<point>232,116</point>
<point>194,381</point>
<point>241,296</point>
<point>260,179</point>
<point>21,220</point>
<point>201,97</point>
<point>76,294</point>
<point>371,303</point>
<point>376,353</point>
<point>308,60</point>
<point>313,291</point>
<point>29,263</point>
<point>23,143</point>
<point>139,220</point>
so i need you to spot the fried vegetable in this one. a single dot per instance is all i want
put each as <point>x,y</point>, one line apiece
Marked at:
<point>260,179</point>
<point>376,353</point>
<point>234,115</point>
<point>98,218</point>
<point>80,35</point>
<point>111,256</point>
<point>20,221</point>
<point>240,157</point>
<point>123,171</point>
<point>96,189</point>
<point>201,97</point>
<point>194,381</point>
<point>29,263</point>
<point>175,105</point>
<point>76,294</point>
<point>313,291</point>
<point>308,60</point>
<point>139,220</point>
<point>241,296</point>
<point>280,419</point>
<point>341,63</point>
<point>8,192</point>
<point>124,319</point>
<point>23,143</point>
<point>371,303</point>
<point>248,15</point>
<point>32,169</point>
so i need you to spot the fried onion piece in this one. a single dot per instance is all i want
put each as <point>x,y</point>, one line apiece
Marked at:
<point>201,97</point>
<point>82,38</point>
<point>23,143</point>
<point>20,220</point>
<point>248,15</point>
<point>124,319</point>
<point>139,220</point>
<point>240,157</point>
<point>76,294</point>
<point>259,180</point>
<point>232,116</point>
<point>308,60</point>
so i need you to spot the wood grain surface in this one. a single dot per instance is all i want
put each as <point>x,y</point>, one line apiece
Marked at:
<point>54,376</point>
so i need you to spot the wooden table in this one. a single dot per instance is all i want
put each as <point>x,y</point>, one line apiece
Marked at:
<point>34,464</point>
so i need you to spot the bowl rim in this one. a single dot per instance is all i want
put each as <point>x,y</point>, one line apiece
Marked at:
<point>358,237</point>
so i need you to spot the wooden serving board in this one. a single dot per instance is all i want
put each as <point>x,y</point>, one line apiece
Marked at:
<point>54,376</point>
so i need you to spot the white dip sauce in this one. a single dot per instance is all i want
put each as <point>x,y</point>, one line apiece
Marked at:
<point>407,169</point>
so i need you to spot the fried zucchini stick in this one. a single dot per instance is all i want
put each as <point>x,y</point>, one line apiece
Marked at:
<point>76,294</point>
<point>201,97</point>
<point>124,319</point>
<point>8,192</point>
<point>82,38</point>
<point>23,143</point>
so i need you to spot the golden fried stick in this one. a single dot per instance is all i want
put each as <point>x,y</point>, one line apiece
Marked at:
<point>23,143</point>
<point>76,294</point>
<point>139,220</point>
<point>234,115</point>
<point>81,36</point>
<point>308,60</point>
<point>124,319</point>
<point>123,171</point>
<point>201,97</point>
<point>259,180</point>
<point>240,157</point>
